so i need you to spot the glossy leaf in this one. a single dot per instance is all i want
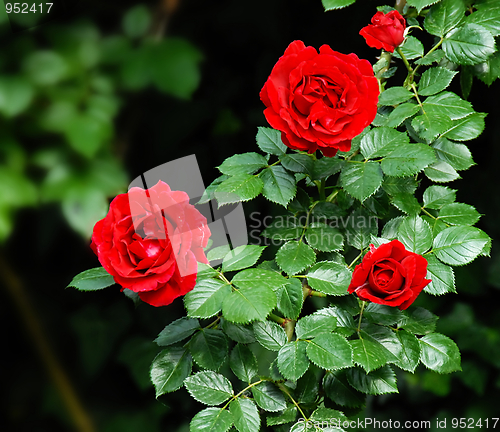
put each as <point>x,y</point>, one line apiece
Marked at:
<point>245,415</point>
<point>279,185</point>
<point>361,179</point>
<point>270,335</point>
<point>205,299</point>
<point>408,160</point>
<point>415,234</point>
<point>409,356</point>
<point>380,381</point>
<point>382,314</point>
<point>292,360</point>
<point>447,104</point>
<point>312,325</point>
<point>242,187</point>
<point>246,163</point>
<point>419,321</point>
<point>259,278</point>
<point>340,391</point>
<point>436,197</point>
<point>169,369</point>
<point>444,16</point>
<point>242,257</point>
<point>467,128</point>
<point>209,348</point>
<point>441,172</point>
<point>290,299</point>
<point>439,353</point>
<point>401,113</point>
<point>92,280</point>
<point>330,278</point>
<point>382,141</point>
<point>434,80</point>
<point>269,397</point>
<point>296,162</point>
<point>441,275</point>
<point>211,420</point>
<point>295,256</point>
<point>336,4</point>
<point>459,245</point>
<point>269,141</point>
<point>469,44</point>
<point>238,332</point>
<point>247,304</point>
<point>330,351</point>
<point>457,155</point>
<point>459,214</point>
<point>177,331</point>
<point>243,363</point>
<point>394,96</point>
<point>209,388</point>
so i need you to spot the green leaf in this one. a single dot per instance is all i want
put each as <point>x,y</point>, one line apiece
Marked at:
<point>238,332</point>
<point>436,225</point>
<point>361,179</point>
<point>312,325</point>
<point>283,228</point>
<point>436,197</point>
<point>269,397</point>
<point>430,58</point>
<point>369,354</point>
<point>209,348</point>
<point>345,322</point>
<point>243,363</point>
<point>322,414</point>
<point>444,16</point>
<point>205,299</point>
<point>209,192</point>
<point>136,21</point>
<point>177,331</point>
<point>469,45</point>
<point>253,278</point>
<point>245,415</point>
<point>439,353</point>
<point>290,299</point>
<point>340,391</point>
<point>409,356</point>
<point>467,128</point>
<point>295,256</point>
<point>270,335</point>
<point>390,230</point>
<point>218,253</point>
<point>92,280</point>
<point>487,15</point>
<point>169,369</point>
<point>401,113</point>
<point>249,304</point>
<point>459,214</point>
<point>292,360</point>
<point>394,96</point>
<point>407,203</point>
<point>326,166</point>
<point>269,141</point>
<point>209,388</point>
<point>398,185</point>
<point>459,245</point>
<point>447,104</point>
<point>360,228</point>
<point>323,237</point>
<point>336,4</point>
<point>329,278</point>
<point>246,163</point>
<point>205,271</point>
<point>211,420</point>
<point>380,381</point>
<point>412,48</point>
<point>297,162</point>
<point>242,187</point>
<point>408,159</point>
<point>441,172</point>
<point>429,126</point>
<point>382,141</point>
<point>441,275</point>
<point>382,314</point>
<point>330,351</point>
<point>457,155</point>
<point>489,71</point>
<point>434,80</point>
<point>242,257</point>
<point>306,391</point>
<point>419,321</point>
<point>279,185</point>
<point>287,416</point>
<point>415,234</point>
<point>17,93</point>
<point>421,4</point>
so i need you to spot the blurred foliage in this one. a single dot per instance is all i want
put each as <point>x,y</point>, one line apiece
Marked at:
<point>93,99</point>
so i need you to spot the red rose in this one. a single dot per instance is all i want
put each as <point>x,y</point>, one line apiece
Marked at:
<point>390,275</point>
<point>386,31</point>
<point>320,101</point>
<point>150,242</point>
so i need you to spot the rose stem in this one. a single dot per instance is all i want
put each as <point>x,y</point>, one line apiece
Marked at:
<point>361,315</point>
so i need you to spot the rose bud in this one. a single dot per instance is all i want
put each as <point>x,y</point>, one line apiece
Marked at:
<point>150,242</point>
<point>390,275</point>
<point>386,31</point>
<point>320,101</point>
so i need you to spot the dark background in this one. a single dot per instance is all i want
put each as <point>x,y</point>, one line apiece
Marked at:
<point>51,194</point>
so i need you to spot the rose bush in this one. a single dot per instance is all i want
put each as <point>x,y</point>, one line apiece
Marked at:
<point>386,31</point>
<point>390,275</point>
<point>320,101</point>
<point>150,242</point>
